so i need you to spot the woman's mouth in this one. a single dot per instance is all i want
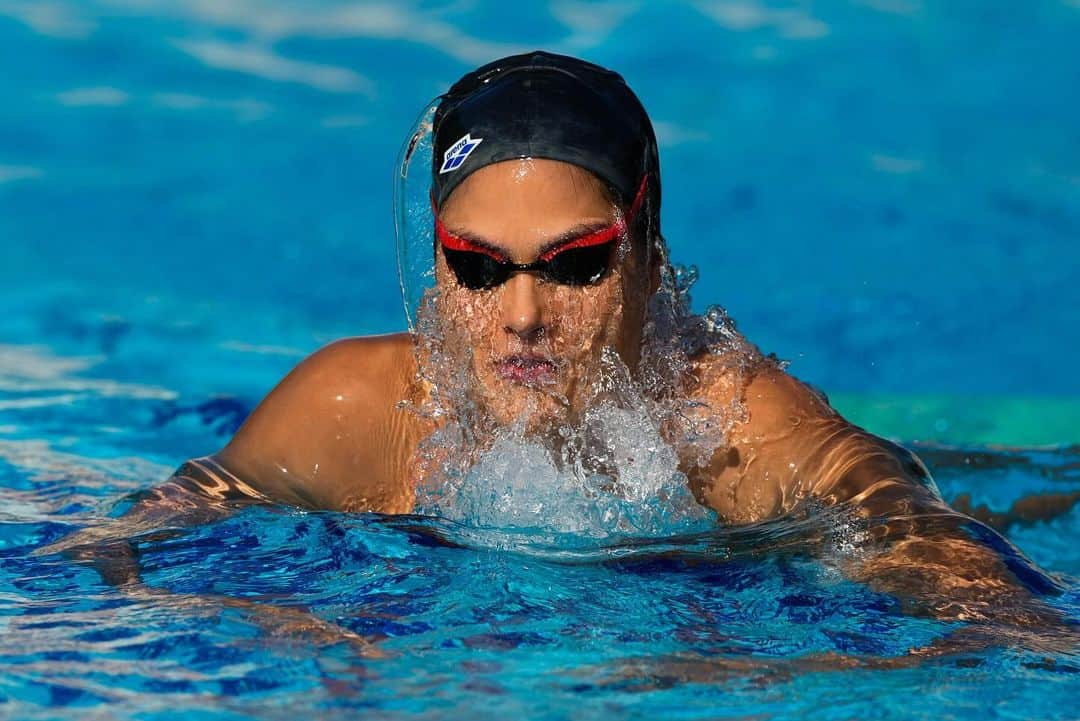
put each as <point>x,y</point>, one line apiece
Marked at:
<point>527,370</point>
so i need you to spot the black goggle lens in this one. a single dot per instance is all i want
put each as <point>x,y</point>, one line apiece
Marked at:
<point>573,266</point>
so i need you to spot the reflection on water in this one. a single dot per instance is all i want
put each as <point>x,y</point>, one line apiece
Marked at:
<point>330,613</point>
<point>423,615</point>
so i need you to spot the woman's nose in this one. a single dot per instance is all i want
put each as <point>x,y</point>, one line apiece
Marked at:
<point>523,312</point>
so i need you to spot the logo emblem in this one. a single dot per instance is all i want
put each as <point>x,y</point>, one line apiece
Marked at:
<point>458,153</point>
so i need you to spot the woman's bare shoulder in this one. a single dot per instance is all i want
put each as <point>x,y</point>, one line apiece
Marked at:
<point>330,424</point>
<point>757,383</point>
<point>771,418</point>
<point>360,359</point>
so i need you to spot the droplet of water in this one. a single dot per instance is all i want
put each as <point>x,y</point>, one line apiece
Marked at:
<point>717,319</point>
<point>685,277</point>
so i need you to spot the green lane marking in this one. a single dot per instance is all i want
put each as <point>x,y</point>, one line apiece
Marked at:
<point>957,420</point>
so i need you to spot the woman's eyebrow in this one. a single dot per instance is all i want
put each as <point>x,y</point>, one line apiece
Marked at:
<point>566,237</point>
<point>572,234</point>
<point>478,241</point>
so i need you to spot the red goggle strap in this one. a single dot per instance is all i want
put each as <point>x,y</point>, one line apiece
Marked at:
<point>639,199</point>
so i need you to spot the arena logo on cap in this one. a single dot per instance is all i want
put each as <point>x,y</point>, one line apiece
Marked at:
<point>458,153</point>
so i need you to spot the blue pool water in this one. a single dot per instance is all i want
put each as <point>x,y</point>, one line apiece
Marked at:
<point>194,195</point>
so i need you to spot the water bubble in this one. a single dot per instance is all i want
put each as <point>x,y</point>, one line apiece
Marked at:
<point>718,321</point>
<point>685,277</point>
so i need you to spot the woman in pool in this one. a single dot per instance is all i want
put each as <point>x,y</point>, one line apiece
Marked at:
<point>548,264</point>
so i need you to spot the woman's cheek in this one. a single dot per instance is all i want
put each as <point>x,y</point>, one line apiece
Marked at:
<point>598,312</point>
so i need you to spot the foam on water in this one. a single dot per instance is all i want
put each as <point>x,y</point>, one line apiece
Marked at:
<point>520,483</point>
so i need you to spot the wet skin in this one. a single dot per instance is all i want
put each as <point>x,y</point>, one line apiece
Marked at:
<point>333,434</point>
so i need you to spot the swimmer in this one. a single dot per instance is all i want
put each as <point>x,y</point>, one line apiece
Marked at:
<point>548,260</point>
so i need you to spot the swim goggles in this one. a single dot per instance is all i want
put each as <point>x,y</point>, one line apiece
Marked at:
<point>579,261</point>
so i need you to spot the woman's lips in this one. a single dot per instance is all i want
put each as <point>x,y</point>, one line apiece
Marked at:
<point>527,370</point>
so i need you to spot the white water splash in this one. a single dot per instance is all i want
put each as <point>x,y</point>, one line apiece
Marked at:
<point>616,471</point>
<point>520,483</point>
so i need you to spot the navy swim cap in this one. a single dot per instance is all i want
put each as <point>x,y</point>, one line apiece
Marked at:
<point>541,105</point>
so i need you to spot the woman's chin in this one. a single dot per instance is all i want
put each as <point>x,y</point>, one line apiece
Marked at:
<point>531,410</point>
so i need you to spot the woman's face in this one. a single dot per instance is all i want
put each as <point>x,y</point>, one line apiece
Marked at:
<point>534,346</point>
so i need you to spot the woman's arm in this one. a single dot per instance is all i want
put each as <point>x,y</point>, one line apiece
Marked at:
<point>200,491</point>
<point>328,436</point>
<point>793,448</point>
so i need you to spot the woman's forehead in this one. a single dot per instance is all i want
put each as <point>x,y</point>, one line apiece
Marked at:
<point>528,200</point>
<point>529,182</point>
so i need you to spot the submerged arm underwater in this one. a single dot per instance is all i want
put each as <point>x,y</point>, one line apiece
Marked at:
<point>200,491</point>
